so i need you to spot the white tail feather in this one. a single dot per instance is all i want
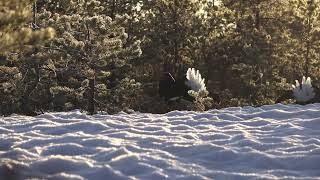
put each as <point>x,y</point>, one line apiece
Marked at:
<point>303,92</point>
<point>195,82</point>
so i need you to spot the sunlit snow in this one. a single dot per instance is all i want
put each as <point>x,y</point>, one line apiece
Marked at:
<point>268,142</point>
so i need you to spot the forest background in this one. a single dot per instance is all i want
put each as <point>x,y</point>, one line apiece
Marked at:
<point>108,55</point>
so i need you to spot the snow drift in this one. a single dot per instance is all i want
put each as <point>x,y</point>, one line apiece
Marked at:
<point>269,142</point>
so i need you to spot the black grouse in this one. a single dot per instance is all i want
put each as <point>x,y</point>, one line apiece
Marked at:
<point>172,89</point>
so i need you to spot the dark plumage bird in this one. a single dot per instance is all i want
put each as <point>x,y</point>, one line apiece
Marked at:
<point>172,89</point>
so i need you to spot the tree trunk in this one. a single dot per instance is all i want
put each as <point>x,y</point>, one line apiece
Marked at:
<point>307,56</point>
<point>308,43</point>
<point>25,105</point>
<point>91,104</point>
<point>34,9</point>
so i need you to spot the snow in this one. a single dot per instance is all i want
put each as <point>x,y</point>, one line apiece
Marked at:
<point>268,142</point>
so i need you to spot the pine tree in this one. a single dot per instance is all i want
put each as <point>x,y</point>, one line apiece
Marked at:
<point>304,36</point>
<point>255,67</point>
<point>170,33</point>
<point>18,35</point>
<point>14,34</point>
<point>90,50</point>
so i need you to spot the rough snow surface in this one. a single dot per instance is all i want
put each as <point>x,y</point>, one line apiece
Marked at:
<point>269,142</point>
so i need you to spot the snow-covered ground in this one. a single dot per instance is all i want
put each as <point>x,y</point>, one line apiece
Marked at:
<point>269,142</point>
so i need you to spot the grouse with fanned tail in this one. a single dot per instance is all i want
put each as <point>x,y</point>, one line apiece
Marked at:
<point>302,93</point>
<point>172,89</point>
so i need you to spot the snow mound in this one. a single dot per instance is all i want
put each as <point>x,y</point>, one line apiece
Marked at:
<point>195,81</point>
<point>303,92</point>
<point>269,142</point>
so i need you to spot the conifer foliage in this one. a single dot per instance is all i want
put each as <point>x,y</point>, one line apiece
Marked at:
<point>19,36</point>
<point>109,55</point>
<point>14,30</point>
<point>91,59</point>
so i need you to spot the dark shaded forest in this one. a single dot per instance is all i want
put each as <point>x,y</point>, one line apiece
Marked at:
<point>108,55</point>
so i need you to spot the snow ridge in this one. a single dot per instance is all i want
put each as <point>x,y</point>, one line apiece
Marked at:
<point>268,142</point>
<point>303,92</point>
<point>195,81</point>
